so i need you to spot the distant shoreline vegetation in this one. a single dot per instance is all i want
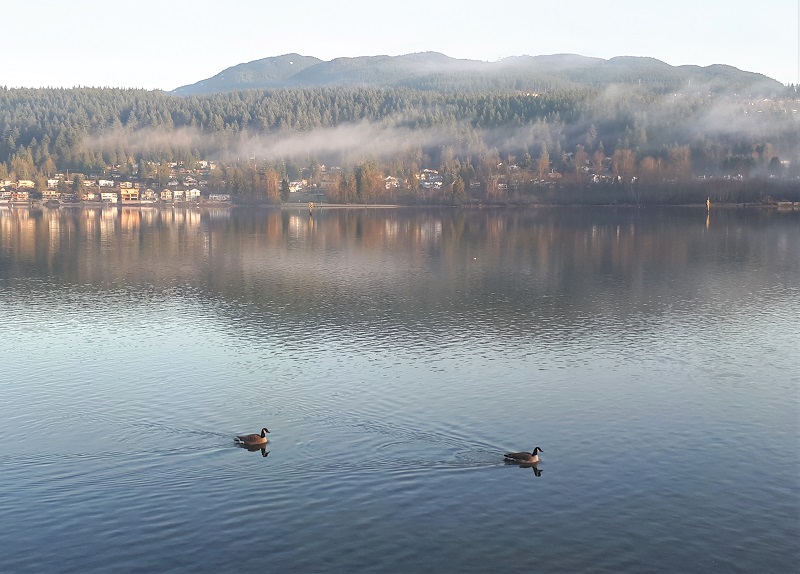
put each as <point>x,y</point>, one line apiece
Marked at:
<point>717,193</point>
<point>616,143</point>
<point>722,192</point>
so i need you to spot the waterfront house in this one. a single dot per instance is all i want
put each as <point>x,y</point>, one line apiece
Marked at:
<point>193,194</point>
<point>148,195</point>
<point>109,197</point>
<point>129,195</point>
<point>166,195</point>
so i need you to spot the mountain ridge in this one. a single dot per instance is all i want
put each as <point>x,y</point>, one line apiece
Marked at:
<point>437,71</point>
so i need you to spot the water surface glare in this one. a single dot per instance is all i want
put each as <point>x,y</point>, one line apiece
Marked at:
<point>395,355</point>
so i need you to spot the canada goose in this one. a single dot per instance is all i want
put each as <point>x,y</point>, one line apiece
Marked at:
<point>524,457</point>
<point>251,439</point>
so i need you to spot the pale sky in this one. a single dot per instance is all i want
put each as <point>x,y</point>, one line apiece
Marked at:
<point>165,44</point>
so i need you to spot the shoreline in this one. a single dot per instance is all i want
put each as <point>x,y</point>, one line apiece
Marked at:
<point>782,206</point>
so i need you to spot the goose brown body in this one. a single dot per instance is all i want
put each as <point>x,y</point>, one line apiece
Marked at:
<point>524,457</point>
<point>253,439</point>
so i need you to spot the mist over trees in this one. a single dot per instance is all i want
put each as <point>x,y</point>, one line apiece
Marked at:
<point>481,142</point>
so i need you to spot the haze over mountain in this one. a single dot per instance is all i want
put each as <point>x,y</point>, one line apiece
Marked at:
<point>435,71</point>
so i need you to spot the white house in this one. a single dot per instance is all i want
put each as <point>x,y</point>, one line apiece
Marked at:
<point>148,195</point>
<point>109,197</point>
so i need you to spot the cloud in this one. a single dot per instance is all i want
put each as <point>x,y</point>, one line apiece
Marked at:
<point>351,140</point>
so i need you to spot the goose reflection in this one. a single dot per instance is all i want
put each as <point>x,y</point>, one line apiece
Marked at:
<point>535,466</point>
<point>254,448</point>
<point>536,470</point>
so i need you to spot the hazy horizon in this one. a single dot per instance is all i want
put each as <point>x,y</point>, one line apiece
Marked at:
<point>178,46</point>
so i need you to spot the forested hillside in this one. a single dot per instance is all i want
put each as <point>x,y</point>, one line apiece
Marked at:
<point>628,131</point>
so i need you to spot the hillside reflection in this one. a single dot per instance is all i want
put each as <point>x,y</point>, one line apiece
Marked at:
<point>515,265</point>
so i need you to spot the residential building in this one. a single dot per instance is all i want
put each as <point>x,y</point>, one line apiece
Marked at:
<point>129,195</point>
<point>148,195</point>
<point>109,197</point>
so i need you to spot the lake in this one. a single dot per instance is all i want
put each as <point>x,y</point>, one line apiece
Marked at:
<point>395,355</point>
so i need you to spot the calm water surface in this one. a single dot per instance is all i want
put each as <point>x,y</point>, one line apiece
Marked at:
<point>395,355</point>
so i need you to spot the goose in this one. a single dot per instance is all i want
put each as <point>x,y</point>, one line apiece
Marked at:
<point>253,439</point>
<point>523,457</point>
